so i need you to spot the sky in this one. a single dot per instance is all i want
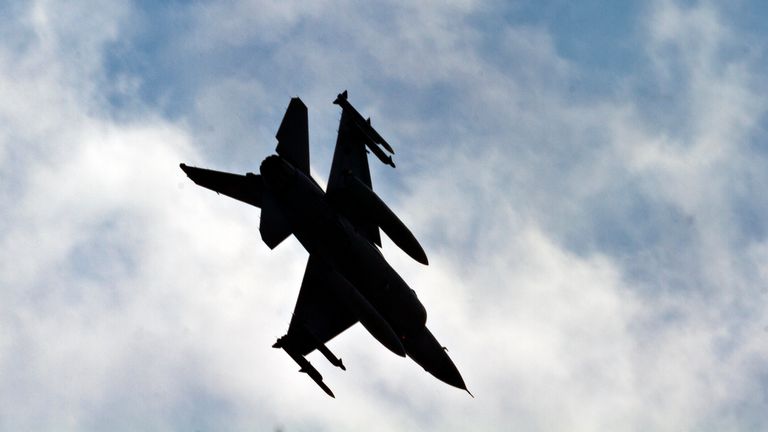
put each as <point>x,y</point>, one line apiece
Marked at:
<point>587,180</point>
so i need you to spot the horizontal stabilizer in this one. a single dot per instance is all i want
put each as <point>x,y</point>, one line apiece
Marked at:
<point>246,188</point>
<point>273,226</point>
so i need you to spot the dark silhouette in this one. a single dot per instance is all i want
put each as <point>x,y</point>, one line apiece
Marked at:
<point>347,278</point>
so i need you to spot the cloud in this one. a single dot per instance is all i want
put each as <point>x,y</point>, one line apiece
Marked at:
<point>598,261</point>
<point>653,201</point>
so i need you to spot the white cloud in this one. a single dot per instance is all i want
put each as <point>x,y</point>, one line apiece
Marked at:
<point>681,339</point>
<point>588,268</point>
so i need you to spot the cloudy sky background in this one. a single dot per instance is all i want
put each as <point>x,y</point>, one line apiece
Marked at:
<point>588,182</point>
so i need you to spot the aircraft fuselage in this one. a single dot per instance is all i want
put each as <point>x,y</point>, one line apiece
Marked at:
<point>347,280</point>
<point>325,233</point>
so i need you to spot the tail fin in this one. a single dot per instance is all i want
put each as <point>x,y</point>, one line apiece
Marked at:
<point>293,136</point>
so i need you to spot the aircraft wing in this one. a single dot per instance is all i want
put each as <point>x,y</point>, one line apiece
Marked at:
<point>319,315</point>
<point>246,188</point>
<point>350,158</point>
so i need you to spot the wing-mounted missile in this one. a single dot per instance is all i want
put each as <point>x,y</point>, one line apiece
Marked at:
<point>319,345</point>
<point>378,212</point>
<point>372,138</point>
<point>307,368</point>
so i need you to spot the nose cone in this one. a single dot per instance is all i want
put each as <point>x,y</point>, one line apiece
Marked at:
<point>425,350</point>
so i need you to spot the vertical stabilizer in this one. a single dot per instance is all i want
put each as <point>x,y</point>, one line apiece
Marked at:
<point>293,136</point>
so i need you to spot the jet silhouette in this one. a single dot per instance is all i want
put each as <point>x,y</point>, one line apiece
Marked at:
<point>347,278</point>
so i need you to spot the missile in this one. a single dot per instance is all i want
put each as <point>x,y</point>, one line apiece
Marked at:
<point>364,125</point>
<point>324,350</point>
<point>385,159</point>
<point>329,355</point>
<point>385,218</point>
<point>375,135</point>
<point>307,368</point>
<point>284,341</point>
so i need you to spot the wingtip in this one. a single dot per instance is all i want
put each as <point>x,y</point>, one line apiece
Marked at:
<point>340,98</point>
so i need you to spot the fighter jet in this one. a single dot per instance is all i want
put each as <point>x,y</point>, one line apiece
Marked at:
<point>347,280</point>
